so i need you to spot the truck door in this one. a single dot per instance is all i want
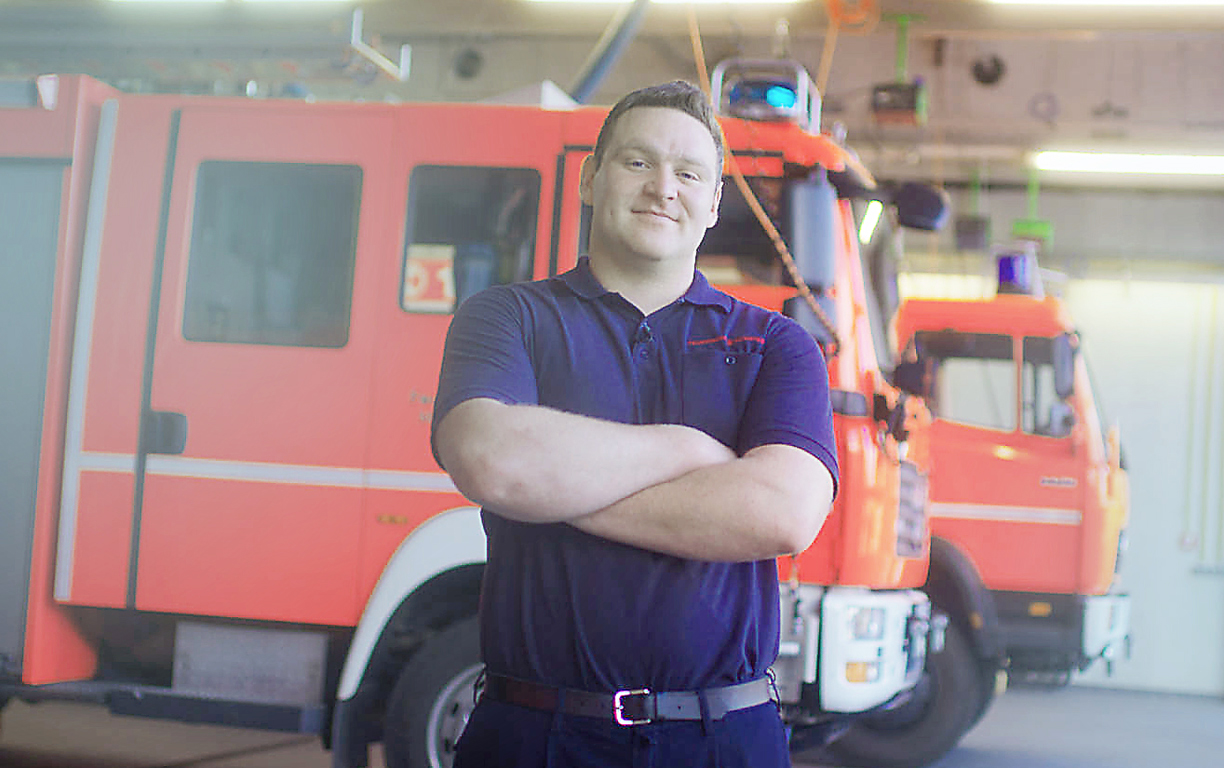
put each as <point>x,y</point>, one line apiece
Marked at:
<point>476,203</point>
<point>249,459</point>
<point>1002,461</point>
<point>1050,469</point>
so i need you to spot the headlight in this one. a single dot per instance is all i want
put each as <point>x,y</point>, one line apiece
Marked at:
<point>862,671</point>
<point>866,623</point>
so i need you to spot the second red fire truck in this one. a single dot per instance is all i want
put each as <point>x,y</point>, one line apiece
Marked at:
<point>1029,498</point>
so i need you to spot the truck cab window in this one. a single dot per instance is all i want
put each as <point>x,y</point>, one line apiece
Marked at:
<point>975,377</point>
<point>878,258</point>
<point>736,249</point>
<point>272,252</point>
<point>1043,411</point>
<point>468,228</point>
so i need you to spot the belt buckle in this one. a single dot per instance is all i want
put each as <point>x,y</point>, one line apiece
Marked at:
<point>618,706</point>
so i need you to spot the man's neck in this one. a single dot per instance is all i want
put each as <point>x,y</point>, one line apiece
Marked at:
<point>649,286</point>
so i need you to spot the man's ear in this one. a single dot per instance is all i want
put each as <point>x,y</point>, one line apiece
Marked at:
<point>717,200</point>
<point>586,177</point>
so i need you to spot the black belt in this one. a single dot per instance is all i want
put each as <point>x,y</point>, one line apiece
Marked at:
<point>629,707</point>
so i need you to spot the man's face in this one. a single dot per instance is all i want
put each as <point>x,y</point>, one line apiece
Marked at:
<point>657,188</point>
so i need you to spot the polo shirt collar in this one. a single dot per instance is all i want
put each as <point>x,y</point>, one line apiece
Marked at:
<point>581,280</point>
<point>702,293</point>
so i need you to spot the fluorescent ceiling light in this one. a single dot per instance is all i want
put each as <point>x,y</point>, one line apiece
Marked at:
<point>1116,162</point>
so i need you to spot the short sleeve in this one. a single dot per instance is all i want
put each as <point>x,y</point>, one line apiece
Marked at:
<point>485,355</point>
<point>789,402</point>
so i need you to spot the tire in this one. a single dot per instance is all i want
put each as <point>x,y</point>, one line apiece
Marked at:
<point>433,698</point>
<point>946,704</point>
<point>988,690</point>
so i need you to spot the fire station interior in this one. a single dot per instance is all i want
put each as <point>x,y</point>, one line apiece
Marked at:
<point>968,96</point>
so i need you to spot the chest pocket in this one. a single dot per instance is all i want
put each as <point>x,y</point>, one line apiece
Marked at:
<point>716,381</point>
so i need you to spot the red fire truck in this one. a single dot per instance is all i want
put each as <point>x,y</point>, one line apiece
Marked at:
<point>1029,499</point>
<point>224,320</point>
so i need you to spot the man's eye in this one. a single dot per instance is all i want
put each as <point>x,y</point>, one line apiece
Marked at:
<point>689,176</point>
<point>633,163</point>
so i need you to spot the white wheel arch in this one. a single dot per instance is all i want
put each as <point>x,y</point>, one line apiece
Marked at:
<point>446,541</point>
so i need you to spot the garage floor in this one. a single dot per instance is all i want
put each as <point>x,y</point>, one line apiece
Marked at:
<point>1068,728</point>
<point>1083,727</point>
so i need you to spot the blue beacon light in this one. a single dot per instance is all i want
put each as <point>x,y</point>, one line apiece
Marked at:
<point>780,96</point>
<point>1016,273</point>
<point>775,95</point>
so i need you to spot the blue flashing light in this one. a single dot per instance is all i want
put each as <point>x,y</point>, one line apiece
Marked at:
<point>777,95</point>
<point>1017,272</point>
<point>780,96</point>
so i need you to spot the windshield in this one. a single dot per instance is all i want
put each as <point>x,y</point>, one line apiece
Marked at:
<point>975,377</point>
<point>976,384</point>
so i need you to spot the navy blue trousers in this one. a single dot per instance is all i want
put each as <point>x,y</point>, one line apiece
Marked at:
<point>501,735</point>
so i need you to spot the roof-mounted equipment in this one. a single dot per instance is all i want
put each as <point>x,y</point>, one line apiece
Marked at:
<point>766,89</point>
<point>1017,269</point>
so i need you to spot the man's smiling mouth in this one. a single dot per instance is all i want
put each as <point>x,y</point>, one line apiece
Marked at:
<point>657,214</point>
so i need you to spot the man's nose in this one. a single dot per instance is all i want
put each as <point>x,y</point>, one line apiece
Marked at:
<point>662,182</point>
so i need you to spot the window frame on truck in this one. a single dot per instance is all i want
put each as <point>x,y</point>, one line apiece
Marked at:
<point>998,348</point>
<point>299,290</point>
<point>455,244</point>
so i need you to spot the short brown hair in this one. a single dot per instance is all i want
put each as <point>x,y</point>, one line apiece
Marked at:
<point>678,94</point>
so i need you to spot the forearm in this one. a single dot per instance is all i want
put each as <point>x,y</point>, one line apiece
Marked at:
<point>769,503</point>
<point>536,464</point>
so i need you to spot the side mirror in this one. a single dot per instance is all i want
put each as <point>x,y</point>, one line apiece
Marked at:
<point>921,206</point>
<point>1062,419</point>
<point>914,377</point>
<point>1064,365</point>
<point>892,418</point>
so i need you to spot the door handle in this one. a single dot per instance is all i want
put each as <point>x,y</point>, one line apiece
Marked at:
<point>164,432</point>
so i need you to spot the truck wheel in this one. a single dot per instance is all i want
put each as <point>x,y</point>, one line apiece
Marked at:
<point>987,678</point>
<point>433,698</point>
<point>924,729</point>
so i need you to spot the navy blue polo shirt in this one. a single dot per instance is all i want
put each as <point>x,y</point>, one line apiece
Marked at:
<point>563,607</point>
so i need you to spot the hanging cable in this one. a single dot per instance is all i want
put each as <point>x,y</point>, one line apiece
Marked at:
<point>826,56</point>
<point>788,261</point>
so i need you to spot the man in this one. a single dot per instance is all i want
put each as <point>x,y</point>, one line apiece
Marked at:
<point>644,447</point>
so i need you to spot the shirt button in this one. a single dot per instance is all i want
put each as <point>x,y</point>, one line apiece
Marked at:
<point>644,353</point>
<point>730,360</point>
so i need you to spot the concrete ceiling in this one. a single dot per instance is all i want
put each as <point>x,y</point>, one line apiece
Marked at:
<point>1123,77</point>
<point>976,18</point>
<point>52,26</point>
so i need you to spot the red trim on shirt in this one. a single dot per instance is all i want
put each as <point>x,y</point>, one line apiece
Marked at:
<point>698,342</point>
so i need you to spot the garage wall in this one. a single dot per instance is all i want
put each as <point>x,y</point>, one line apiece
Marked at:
<point>1157,353</point>
<point>1073,86</point>
<point>1166,234</point>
